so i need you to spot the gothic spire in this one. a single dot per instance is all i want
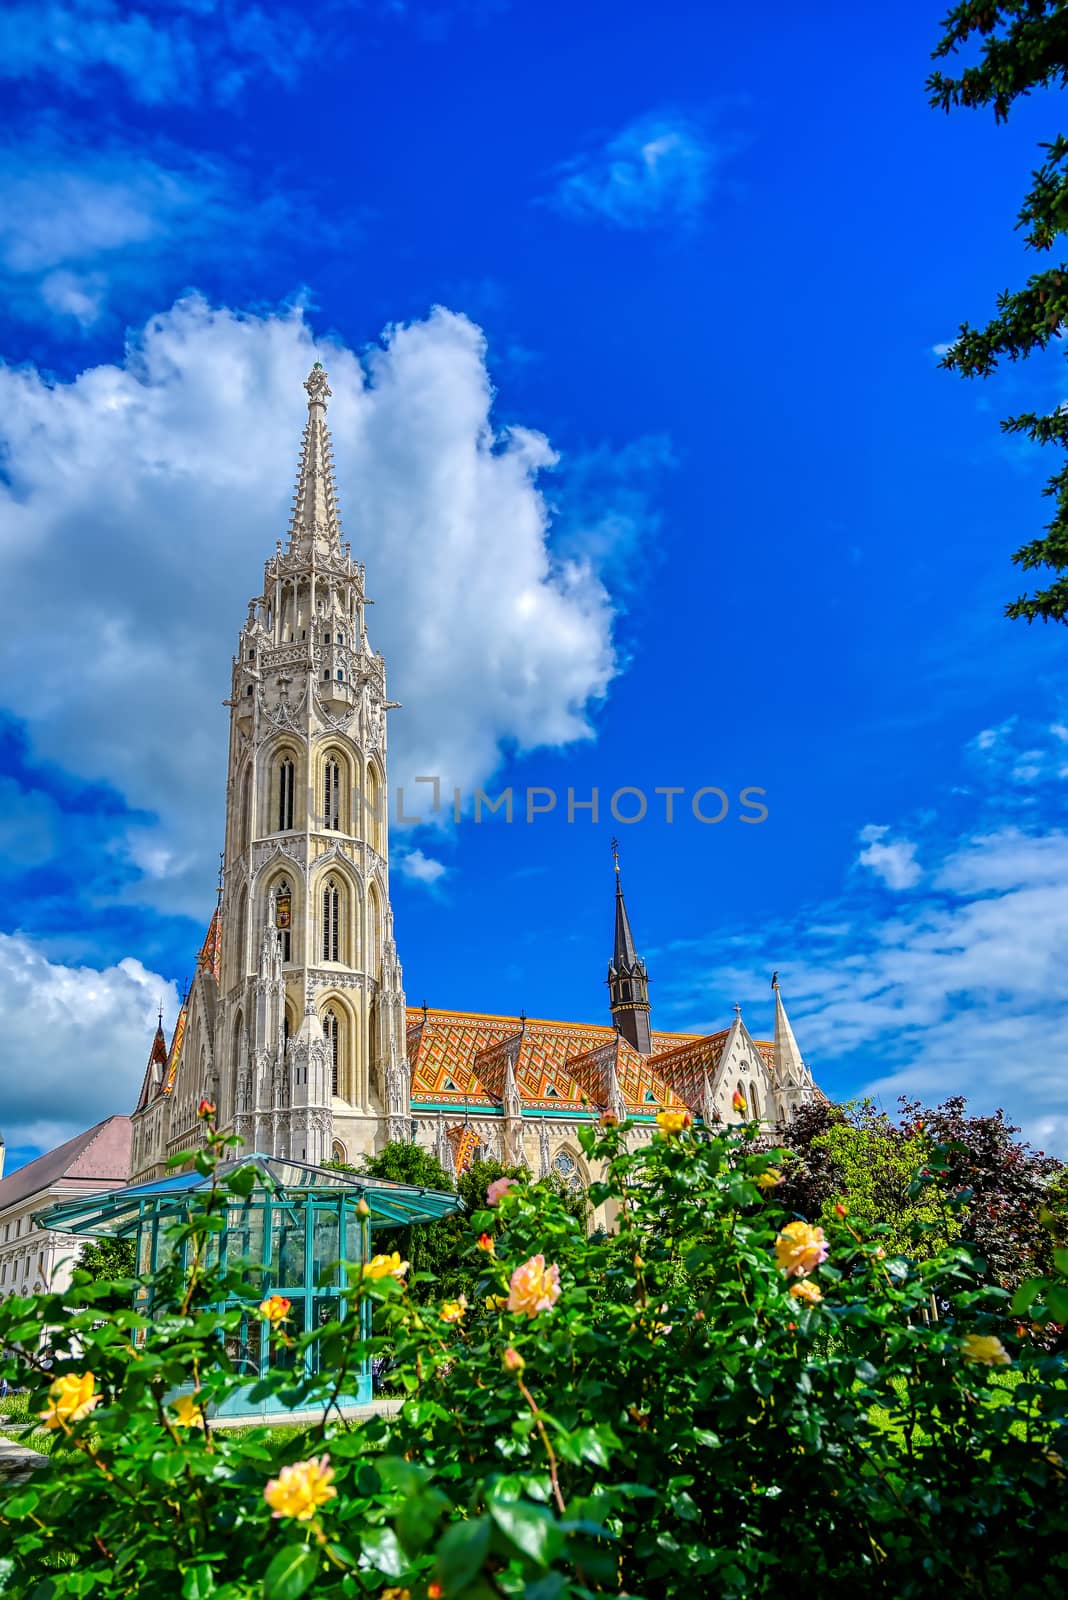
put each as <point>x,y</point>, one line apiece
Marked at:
<point>314,528</point>
<point>628,981</point>
<point>624,953</point>
<point>156,1070</point>
<point>790,1069</point>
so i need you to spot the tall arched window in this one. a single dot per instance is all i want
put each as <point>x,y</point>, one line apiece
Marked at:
<point>373,820</point>
<point>332,1033</point>
<point>754,1099</point>
<point>244,809</point>
<point>282,910</point>
<point>286,781</point>
<point>331,921</point>
<point>240,943</point>
<point>331,795</point>
<point>371,957</point>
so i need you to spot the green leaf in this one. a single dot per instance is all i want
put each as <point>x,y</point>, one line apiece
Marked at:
<point>198,1582</point>
<point>1057,1303</point>
<point>461,1551</point>
<point>530,1529</point>
<point>382,1549</point>
<point>292,1571</point>
<point>1060,1258</point>
<point>242,1182</point>
<point>1026,1294</point>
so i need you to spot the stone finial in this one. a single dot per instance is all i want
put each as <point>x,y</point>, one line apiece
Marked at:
<point>317,385</point>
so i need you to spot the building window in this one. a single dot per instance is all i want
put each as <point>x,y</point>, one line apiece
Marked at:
<point>326,638</point>
<point>341,638</point>
<point>332,1032</point>
<point>340,676</point>
<point>286,779</point>
<point>332,795</point>
<point>249,689</point>
<point>283,919</point>
<point>331,921</point>
<point>565,1169</point>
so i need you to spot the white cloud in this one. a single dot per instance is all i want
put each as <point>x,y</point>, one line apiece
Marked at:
<point>169,50</point>
<point>75,1040</point>
<point>141,500</point>
<point>658,169</point>
<point>960,991</point>
<point>419,867</point>
<point>79,225</point>
<point>891,860</point>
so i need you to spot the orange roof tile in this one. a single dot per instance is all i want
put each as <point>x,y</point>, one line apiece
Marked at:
<point>450,1051</point>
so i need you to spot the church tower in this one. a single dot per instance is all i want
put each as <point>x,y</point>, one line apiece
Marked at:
<point>628,981</point>
<point>309,1037</point>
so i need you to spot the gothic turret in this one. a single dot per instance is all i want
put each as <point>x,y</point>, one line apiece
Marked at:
<point>628,981</point>
<point>793,1083</point>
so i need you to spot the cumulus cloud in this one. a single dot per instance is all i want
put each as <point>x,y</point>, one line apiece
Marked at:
<point>141,499</point>
<point>893,861</point>
<point>75,1040</point>
<point>960,990</point>
<point>659,169</point>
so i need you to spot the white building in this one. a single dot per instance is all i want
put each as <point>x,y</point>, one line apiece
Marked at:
<point>33,1259</point>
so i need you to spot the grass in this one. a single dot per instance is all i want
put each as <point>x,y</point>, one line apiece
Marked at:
<point>16,1408</point>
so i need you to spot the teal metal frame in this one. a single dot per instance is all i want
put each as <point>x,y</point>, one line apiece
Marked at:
<point>297,1229</point>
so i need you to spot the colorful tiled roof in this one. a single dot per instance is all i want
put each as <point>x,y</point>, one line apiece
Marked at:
<point>209,958</point>
<point>175,1056</point>
<point>457,1053</point>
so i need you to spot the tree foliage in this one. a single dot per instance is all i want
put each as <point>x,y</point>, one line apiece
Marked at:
<point>857,1155</point>
<point>1023,45</point>
<point>441,1247</point>
<point>1011,1202</point>
<point>656,1413</point>
<point>107,1258</point>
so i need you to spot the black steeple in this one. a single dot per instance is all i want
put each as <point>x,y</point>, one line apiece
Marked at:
<point>628,981</point>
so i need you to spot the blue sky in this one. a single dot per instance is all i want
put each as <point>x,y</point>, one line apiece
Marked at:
<point>631,322</point>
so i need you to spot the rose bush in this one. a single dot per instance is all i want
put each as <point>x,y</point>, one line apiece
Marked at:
<point>705,1399</point>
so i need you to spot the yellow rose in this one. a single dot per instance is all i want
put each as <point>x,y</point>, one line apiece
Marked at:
<point>72,1397</point>
<point>800,1248</point>
<point>454,1310</point>
<point>299,1490</point>
<point>386,1266</point>
<point>769,1179</point>
<point>275,1308</point>
<point>672,1123</point>
<point>534,1287</point>
<point>810,1293</point>
<point>986,1349</point>
<point>187,1412</point>
<point>496,1302</point>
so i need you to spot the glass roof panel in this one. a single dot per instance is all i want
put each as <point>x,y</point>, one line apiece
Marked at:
<point>118,1211</point>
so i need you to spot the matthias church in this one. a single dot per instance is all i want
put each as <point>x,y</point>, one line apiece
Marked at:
<point>296,1024</point>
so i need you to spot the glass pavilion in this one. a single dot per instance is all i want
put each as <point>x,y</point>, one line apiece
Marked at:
<point>298,1223</point>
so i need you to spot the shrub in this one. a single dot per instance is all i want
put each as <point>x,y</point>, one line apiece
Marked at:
<point>713,1399</point>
